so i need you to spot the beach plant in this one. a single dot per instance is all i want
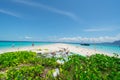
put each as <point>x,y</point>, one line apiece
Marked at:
<point>46,49</point>
<point>10,59</point>
<point>39,49</point>
<point>95,67</point>
<point>26,65</point>
<point>2,76</point>
<point>25,73</point>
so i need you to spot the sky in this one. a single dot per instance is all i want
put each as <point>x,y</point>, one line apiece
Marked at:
<point>60,20</point>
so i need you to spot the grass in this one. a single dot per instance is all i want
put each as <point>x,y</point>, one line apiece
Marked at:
<point>25,65</point>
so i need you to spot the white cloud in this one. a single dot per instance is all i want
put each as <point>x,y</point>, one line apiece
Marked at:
<point>93,39</point>
<point>98,29</point>
<point>101,28</point>
<point>9,13</point>
<point>28,37</point>
<point>49,8</point>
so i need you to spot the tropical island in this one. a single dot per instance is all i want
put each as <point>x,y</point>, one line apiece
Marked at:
<point>59,39</point>
<point>58,63</point>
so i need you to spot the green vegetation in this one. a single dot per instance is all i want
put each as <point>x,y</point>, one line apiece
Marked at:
<point>95,67</point>
<point>11,59</point>
<point>30,66</point>
<point>26,72</point>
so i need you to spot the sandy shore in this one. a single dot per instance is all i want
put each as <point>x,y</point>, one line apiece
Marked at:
<point>57,47</point>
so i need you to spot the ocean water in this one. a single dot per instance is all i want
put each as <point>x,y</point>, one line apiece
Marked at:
<point>108,48</point>
<point>99,47</point>
<point>18,44</point>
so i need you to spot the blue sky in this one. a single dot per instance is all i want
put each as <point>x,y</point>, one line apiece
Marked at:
<point>60,20</point>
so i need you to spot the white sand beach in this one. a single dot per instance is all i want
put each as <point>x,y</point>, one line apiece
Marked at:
<point>57,47</point>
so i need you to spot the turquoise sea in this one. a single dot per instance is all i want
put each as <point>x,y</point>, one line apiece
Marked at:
<point>100,47</point>
<point>18,44</point>
<point>108,48</point>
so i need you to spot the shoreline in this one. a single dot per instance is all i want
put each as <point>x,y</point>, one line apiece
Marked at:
<point>56,47</point>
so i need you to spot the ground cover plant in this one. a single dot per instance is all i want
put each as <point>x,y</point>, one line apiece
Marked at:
<point>24,65</point>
